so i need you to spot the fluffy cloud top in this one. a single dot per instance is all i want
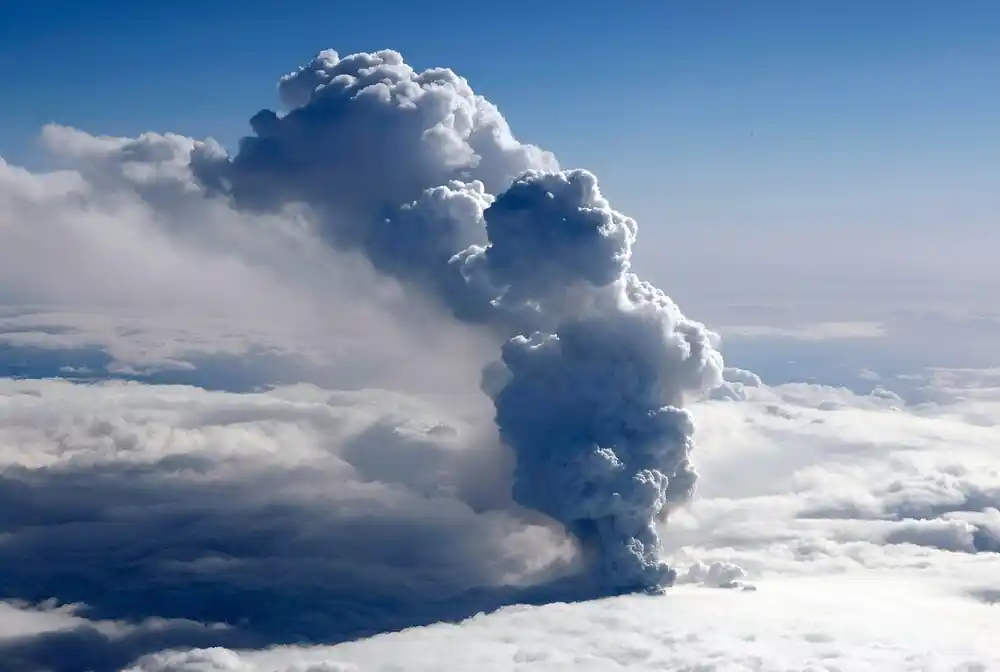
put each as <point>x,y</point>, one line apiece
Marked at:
<point>367,134</point>
<point>247,520</point>
<point>291,514</point>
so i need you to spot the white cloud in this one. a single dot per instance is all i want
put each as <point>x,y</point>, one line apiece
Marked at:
<point>856,518</point>
<point>868,345</point>
<point>101,272</point>
<point>23,620</point>
<point>876,624</point>
<point>52,636</point>
<point>819,331</point>
<point>292,513</point>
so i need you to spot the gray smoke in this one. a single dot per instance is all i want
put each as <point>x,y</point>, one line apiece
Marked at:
<point>398,163</point>
<point>590,388</point>
<point>593,405</point>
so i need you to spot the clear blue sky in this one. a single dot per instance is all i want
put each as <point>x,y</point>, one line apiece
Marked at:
<point>719,116</point>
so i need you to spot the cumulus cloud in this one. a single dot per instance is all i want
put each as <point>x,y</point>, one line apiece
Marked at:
<point>736,383</point>
<point>286,515</point>
<point>367,135</point>
<point>549,233</point>
<point>811,479</point>
<point>857,507</point>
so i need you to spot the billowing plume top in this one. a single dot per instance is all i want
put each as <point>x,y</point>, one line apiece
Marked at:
<point>367,132</point>
<point>397,164</point>
<point>417,242</point>
<point>550,231</point>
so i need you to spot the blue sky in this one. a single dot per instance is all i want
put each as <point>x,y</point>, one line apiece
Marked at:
<point>818,122</point>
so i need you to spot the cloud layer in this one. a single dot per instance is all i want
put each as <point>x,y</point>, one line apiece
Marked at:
<point>690,629</point>
<point>855,516</point>
<point>296,514</point>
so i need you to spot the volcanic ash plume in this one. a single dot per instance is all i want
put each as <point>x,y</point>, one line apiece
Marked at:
<point>592,405</point>
<point>423,177</point>
<point>367,135</point>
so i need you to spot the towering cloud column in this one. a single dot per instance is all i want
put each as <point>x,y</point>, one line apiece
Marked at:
<point>424,178</point>
<point>592,402</point>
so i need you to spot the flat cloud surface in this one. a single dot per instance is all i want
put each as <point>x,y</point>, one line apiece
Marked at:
<point>176,517</point>
<point>872,623</point>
